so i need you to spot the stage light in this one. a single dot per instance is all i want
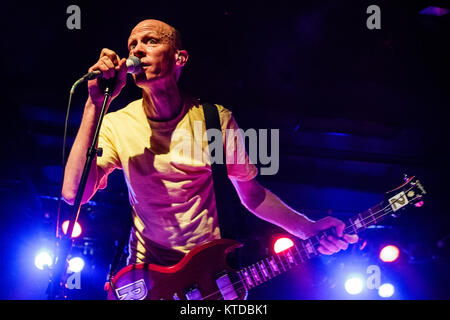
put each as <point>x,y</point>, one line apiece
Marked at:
<point>434,11</point>
<point>43,259</point>
<point>354,285</point>
<point>76,264</point>
<point>282,244</point>
<point>386,290</point>
<point>76,229</point>
<point>389,253</point>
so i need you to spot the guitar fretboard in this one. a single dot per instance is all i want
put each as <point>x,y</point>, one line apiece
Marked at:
<point>303,250</point>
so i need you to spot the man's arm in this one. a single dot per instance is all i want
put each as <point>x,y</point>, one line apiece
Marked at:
<point>110,65</point>
<point>267,206</point>
<point>77,158</point>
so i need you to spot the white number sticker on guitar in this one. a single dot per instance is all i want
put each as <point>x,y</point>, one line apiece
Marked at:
<point>133,291</point>
<point>398,201</point>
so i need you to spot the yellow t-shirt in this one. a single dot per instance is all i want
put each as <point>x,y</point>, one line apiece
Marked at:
<point>168,173</point>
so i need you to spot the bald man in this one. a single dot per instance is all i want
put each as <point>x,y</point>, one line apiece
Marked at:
<point>171,197</point>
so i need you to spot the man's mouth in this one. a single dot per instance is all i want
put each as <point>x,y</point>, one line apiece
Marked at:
<point>143,66</point>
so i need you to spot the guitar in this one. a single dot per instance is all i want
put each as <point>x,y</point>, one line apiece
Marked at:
<point>204,273</point>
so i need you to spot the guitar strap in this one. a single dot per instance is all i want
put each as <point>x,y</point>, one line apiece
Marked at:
<point>120,250</point>
<point>222,185</point>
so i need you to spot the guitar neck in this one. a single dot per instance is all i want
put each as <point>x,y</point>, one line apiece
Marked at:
<point>303,250</point>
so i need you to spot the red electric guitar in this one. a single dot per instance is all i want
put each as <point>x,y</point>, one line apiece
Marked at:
<point>204,273</point>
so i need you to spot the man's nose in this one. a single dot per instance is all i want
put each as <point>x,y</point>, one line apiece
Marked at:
<point>138,50</point>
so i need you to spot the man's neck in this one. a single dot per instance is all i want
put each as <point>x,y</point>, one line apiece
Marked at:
<point>162,103</point>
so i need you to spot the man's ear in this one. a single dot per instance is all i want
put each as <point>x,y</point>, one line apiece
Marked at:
<point>182,57</point>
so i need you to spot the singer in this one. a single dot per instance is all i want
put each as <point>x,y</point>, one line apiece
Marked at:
<point>173,204</point>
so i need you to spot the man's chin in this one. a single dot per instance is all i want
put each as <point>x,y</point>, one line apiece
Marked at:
<point>144,80</point>
<point>141,79</point>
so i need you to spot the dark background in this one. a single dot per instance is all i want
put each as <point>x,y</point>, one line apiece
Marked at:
<point>356,109</point>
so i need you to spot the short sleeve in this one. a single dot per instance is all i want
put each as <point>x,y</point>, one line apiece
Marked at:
<point>239,166</point>
<point>109,160</point>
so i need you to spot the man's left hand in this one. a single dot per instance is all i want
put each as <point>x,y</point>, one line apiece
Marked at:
<point>333,244</point>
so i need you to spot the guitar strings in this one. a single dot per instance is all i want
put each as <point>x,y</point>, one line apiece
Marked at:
<point>384,209</point>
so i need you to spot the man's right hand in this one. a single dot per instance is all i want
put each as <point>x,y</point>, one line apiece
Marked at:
<point>111,66</point>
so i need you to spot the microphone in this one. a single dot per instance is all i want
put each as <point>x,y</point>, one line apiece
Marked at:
<point>133,66</point>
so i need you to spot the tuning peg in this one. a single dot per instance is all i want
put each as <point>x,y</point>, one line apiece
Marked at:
<point>405,177</point>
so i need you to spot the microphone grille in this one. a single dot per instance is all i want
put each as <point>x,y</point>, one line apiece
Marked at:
<point>133,64</point>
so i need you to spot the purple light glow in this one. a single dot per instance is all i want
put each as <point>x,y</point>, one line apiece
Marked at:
<point>434,11</point>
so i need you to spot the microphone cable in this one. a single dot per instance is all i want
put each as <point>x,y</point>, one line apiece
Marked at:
<point>63,155</point>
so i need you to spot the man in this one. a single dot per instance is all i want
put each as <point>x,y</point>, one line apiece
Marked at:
<point>172,198</point>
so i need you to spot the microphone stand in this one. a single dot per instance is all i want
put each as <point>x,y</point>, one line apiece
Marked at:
<point>57,285</point>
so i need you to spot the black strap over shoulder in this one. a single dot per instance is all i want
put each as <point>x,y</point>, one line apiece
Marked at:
<point>220,176</point>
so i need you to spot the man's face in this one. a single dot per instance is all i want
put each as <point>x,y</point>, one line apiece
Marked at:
<point>153,42</point>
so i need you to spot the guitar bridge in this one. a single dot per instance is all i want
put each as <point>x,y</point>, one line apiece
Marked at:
<point>193,293</point>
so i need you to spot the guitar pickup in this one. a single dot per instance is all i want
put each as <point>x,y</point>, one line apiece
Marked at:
<point>226,287</point>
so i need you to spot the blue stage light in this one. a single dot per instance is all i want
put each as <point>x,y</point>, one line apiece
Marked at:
<point>76,264</point>
<point>386,290</point>
<point>354,285</point>
<point>42,259</point>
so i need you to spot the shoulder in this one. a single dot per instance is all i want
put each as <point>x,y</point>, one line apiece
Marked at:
<point>131,110</point>
<point>225,114</point>
<point>223,111</point>
<point>195,108</point>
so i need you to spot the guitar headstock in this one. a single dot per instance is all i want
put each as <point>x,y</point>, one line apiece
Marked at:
<point>409,193</point>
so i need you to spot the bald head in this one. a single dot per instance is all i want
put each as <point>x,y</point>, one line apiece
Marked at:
<point>166,32</point>
<point>158,45</point>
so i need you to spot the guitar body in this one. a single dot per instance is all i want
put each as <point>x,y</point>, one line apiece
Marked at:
<point>195,277</point>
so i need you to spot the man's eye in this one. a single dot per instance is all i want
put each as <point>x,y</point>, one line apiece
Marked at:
<point>152,41</point>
